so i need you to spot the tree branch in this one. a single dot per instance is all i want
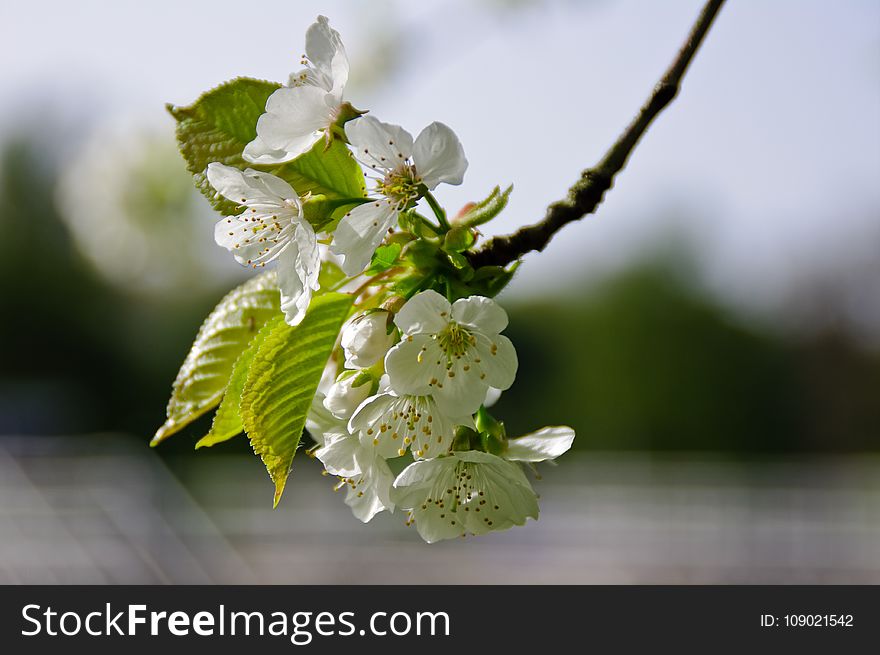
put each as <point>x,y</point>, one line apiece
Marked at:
<point>586,194</point>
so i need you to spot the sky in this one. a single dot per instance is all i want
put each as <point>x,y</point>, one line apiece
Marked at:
<point>768,162</point>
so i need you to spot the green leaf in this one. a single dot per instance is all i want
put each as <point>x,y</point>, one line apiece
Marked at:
<point>485,210</point>
<point>331,171</point>
<point>217,127</point>
<point>227,421</point>
<point>226,332</point>
<point>320,211</point>
<point>282,382</point>
<point>330,275</point>
<point>384,258</point>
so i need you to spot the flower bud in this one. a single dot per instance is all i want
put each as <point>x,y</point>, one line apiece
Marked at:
<point>366,339</point>
<point>347,393</point>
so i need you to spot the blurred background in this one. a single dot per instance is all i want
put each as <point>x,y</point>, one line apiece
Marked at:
<point>712,333</point>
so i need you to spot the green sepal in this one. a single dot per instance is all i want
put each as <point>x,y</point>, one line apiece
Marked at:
<point>485,210</point>
<point>459,239</point>
<point>493,436</point>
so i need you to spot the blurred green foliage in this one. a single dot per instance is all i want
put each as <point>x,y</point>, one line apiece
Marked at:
<point>78,355</point>
<point>640,361</point>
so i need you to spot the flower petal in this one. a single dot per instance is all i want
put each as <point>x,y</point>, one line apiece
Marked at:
<point>257,152</point>
<point>243,239</point>
<point>493,395</point>
<point>546,443</point>
<point>503,497</point>
<point>419,488</point>
<point>434,430</point>
<point>344,398</point>
<point>338,455</point>
<point>229,182</point>
<point>370,413</point>
<point>380,145</point>
<point>298,267</point>
<point>295,296</point>
<point>460,390</point>
<point>321,424</point>
<point>309,260</point>
<point>498,360</point>
<point>418,475</point>
<point>370,492</point>
<point>426,312</point>
<point>254,189</point>
<point>480,313</point>
<point>360,232</point>
<point>386,433</point>
<point>365,339</point>
<point>438,156</point>
<point>413,364</point>
<point>293,119</point>
<point>327,54</point>
<point>273,187</point>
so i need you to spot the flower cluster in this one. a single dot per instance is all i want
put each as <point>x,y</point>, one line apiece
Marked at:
<point>423,357</point>
<point>413,382</point>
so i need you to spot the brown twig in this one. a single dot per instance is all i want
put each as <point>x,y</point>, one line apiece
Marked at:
<point>586,194</point>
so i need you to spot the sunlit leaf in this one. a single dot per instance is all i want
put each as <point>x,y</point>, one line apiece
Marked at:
<point>384,258</point>
<point>227,420</point>
<point>331,171</point>
<point>217,127</point>
<point>283,379</point>
<point>330,275</point>
<point>226,332</point>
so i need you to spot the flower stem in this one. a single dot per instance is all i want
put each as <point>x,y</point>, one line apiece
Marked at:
<point>439,212</point>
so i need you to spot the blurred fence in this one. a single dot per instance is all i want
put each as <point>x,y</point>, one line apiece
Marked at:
<point>105,508</point>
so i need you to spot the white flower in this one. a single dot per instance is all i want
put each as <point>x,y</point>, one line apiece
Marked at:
<point>453,352</point>
<point>406,169</point>
<point>545,444</point>
<point>346,394</point>
<point>270,227</point>
<point>363,473</point>
<point>390,423</point>
<point>464,492</point>
<point>300,114</point>
<point>366,339</point>
<point>321,424</point>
